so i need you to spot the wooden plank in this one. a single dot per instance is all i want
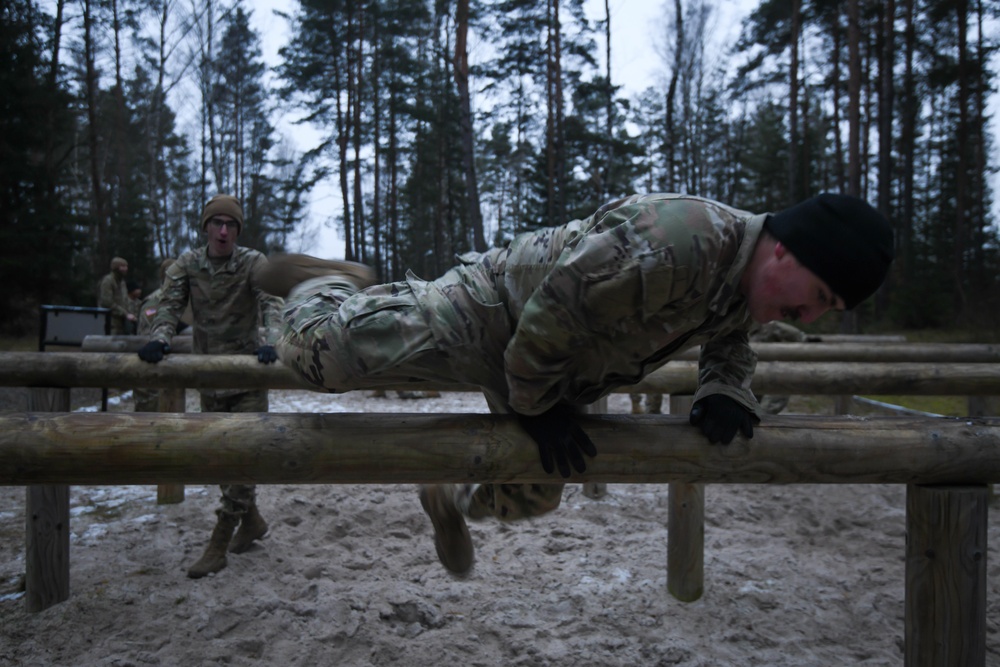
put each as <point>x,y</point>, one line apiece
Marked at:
<point>685,529</point>
<point>883,353</point>
<point>945,616</point>
<point>91,369</point>
<point>268,448</point>
<point>47,524</point>
<point>171,400</point>
<point>778,351</point>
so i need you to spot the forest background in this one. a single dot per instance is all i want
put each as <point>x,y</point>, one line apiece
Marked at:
<point>122,117</point>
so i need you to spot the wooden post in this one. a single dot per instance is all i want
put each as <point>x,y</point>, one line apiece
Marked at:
<point>596,490</point>
<point>946,576</point>
<point>171,400</point>
<point>685,529</point>
<point>47,524</point>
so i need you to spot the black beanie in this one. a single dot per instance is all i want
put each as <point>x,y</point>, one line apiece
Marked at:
<point>841,239</point>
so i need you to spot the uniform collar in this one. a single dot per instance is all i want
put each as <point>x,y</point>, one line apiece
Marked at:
<point>729,298</point>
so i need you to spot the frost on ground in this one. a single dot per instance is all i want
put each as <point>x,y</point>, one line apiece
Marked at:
<point>794,576</point>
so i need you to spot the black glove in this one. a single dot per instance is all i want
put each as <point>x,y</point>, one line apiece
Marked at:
<point>266,354</point>
<point>560,439</point>
<point>720,417</point>
<point>154,351</point>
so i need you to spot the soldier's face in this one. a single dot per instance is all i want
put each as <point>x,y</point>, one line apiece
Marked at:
<point>787,290</point>
<point>222,232</point>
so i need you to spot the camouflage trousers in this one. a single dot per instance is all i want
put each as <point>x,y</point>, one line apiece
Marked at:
<point>450,330</point>
<point>146,400</point>
<point>236,499</point>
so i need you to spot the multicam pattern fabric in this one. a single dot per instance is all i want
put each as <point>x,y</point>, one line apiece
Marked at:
<point>236,498</point>
<point>228,306</point>
<point>229,310</point>
<point>147,400</point>
<point>566,314</point>
<point>112,293</point>
<point>563,315</point>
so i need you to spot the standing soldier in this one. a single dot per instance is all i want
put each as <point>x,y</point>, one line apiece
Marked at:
<point>113,295</point>
<point>229,311</point>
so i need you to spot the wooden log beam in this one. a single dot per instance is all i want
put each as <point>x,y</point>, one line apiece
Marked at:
<point>118,343</point>
<point>969,353</point>
<point>966,353</point>
<point>269,448</point>
<point>83,369</point>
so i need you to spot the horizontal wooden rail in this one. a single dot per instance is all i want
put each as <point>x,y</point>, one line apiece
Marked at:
<point>969,353</point>
<point>83,369</point>
<point>269,448</point>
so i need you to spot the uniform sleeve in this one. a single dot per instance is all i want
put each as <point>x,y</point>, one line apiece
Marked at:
<point>622,269</point>
<point>270,305</point>
<point>726,366</point>
<point>174,295</point>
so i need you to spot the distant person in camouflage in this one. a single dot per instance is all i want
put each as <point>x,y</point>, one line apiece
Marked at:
<point>229,310</point>
<point>112,293</point>
<point>564,316</point>
<point>134,301</point>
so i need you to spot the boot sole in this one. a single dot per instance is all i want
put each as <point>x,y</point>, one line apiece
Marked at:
<point>283,272</point>
<point>451,537</point>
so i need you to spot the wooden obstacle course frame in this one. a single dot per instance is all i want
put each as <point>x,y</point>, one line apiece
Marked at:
<point>946,472</point>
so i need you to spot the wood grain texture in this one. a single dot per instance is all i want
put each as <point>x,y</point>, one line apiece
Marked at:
<point>150,448</point>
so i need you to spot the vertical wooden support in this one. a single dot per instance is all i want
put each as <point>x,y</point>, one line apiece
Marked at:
<point>46,514</point>
<point>985,406</point>
<point>685,529</point>
<point>946,576</point>
<point>596,490</point>
<point>171,400</point>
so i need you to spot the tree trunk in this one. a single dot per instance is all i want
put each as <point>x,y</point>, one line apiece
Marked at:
<point>962,162</point>
<point>885,116</point>
<point>461,65</point>
<point>359,233</point>
<point>793,104</point>
<point>849,320</point>
<point>343,123</point>
<point>100,220</point>
<point>907,150</point>
<point>376,217</point>
<point>671,102</point>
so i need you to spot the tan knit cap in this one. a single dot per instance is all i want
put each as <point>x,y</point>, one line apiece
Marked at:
<point>222,205</point>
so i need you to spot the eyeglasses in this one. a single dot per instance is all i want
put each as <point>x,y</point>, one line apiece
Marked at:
<point>219,223</point>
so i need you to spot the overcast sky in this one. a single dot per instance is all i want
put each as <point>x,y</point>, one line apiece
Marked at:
<point>635,26</point>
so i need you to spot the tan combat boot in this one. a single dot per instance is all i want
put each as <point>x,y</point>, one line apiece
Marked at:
<point>284,271</point>
<point>252,527</point>
<point>451,535</point>
<point>214,558</point>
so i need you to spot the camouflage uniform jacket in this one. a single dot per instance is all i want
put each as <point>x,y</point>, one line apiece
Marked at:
<point>602,302</point>
<point>147,311</point>
<point>228,306</point>
<point>113,295</point>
